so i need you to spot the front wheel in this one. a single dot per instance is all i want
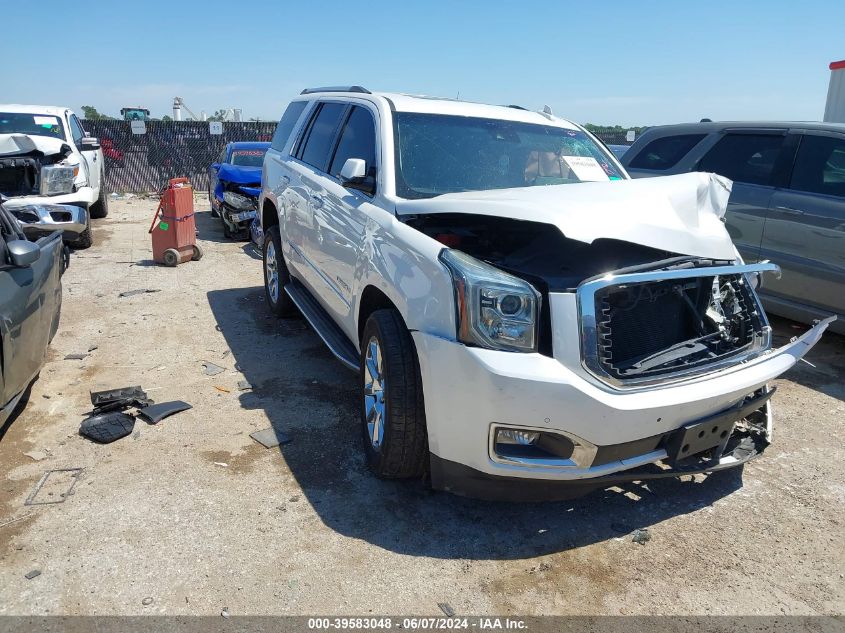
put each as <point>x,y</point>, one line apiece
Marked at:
<point>276,275</point>
<point>392,406</point>
<point>100,208</point>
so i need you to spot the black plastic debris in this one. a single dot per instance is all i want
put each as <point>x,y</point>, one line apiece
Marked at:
<point>119,399</point>
<point>140,291</point>
<point>76,356</point>
<point>107,427</point>
<point>32,574</point>
<point>157,412</point>
<point>446,608</point>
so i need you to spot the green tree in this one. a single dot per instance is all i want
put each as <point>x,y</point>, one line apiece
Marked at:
<point>90,113</point>
<point>166,117</point>
<point>219,115</point>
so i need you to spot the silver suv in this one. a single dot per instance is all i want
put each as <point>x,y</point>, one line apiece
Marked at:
<point>787,204</point>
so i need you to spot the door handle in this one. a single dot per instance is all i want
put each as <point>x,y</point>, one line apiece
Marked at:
<point>316,202</point>
<point>789,211</point>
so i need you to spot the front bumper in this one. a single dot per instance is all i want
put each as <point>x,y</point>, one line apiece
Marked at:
<point>70,219</point>
<point>468,391</point>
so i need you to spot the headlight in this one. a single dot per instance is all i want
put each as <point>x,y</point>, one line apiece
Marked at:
<point>238,201</point>
<point>57,179</point>
<point>494,309</point>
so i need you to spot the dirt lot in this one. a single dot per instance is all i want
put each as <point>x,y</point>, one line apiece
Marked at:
<point>196,516</point>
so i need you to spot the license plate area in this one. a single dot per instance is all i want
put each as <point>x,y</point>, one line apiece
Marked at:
<point>245,215</point>
<point>698,437</point>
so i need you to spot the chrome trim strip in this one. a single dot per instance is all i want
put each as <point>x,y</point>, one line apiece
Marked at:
<point>585,295</point>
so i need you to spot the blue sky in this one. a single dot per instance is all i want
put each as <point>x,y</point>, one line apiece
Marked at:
<point>631,63</point>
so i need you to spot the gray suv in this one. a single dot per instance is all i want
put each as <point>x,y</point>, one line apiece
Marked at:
<point>787,203</point>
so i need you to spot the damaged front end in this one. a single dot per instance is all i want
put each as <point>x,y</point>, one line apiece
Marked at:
<point>672,320</point>
<point>30,168</point>
<point>237,194</point>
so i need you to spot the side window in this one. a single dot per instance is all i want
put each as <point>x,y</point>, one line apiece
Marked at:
<point>820,166</point>
<point>315,148</point>
<point>285,127</point>
<point>663,153</point>
<point>222,158</point>
<point>76,132</point>
<point>358,140</point>
<point>746,158</point>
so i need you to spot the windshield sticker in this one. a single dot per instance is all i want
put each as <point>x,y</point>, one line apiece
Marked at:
<point>586,168</point>
<point>45,121</point>
<point>248,152</point>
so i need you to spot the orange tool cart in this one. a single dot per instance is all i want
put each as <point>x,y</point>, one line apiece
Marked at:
<point>173,228</point>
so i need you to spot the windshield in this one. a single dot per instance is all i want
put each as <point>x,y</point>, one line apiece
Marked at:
<point>32,124</point>
<point>440,154</point>
<point>248,157</point>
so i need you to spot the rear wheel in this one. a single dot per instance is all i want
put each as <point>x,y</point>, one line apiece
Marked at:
<point>276,275</point>
<point>197,253</point>
<point>392,406</point>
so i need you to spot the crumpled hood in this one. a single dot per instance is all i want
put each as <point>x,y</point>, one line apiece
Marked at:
<point>239,175</point>
<point>680,214</point>
<point>25,144</point>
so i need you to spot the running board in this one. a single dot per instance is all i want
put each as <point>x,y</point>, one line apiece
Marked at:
<point>318,318</point>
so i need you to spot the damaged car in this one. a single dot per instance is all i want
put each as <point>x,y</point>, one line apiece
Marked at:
<point>234,186</point>
<point>526,322</point>
<point>30,305</point>
<point>47,159</point>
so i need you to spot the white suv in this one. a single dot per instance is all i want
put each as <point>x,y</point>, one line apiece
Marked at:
<point>48,161</point>
<point>526,321</point>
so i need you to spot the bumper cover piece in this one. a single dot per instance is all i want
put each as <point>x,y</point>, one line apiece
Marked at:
<point>157,412</point>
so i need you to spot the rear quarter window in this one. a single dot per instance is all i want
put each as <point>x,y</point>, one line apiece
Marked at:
<point>665,152</point>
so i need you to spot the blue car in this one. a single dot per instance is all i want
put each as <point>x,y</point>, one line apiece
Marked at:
<point>234,183</point>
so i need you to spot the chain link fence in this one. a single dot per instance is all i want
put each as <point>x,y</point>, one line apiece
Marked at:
<point>168,149</point>
<point>145,162</point>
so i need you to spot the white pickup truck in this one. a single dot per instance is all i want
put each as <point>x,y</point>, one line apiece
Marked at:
<point>50,165</point>
<point>526,321</point>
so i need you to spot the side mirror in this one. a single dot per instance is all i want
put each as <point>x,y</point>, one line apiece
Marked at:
<point>88,143</point>
<point>353,169</point>
<point>215,166</point>
<point>354,176</point>
<point>23,253</point>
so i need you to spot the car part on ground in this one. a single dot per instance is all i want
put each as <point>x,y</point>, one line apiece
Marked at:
<point>153,414</point>
<point>530,288</point>
<point>107,427</point>
<point>119,399</point>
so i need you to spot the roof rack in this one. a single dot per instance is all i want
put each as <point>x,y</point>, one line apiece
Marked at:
<point>361,89</point>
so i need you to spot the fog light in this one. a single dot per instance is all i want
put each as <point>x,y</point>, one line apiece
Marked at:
<point>512,436</point>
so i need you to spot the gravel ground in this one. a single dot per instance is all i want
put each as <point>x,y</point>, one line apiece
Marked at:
<point>191,516</point>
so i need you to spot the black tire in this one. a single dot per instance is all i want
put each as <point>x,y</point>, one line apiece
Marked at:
<point>282,305</point>
<point>214,212</point>
<point>100,208</point>
<point>403,449</point>
<point>84,240</point>
<point>227,233</point>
